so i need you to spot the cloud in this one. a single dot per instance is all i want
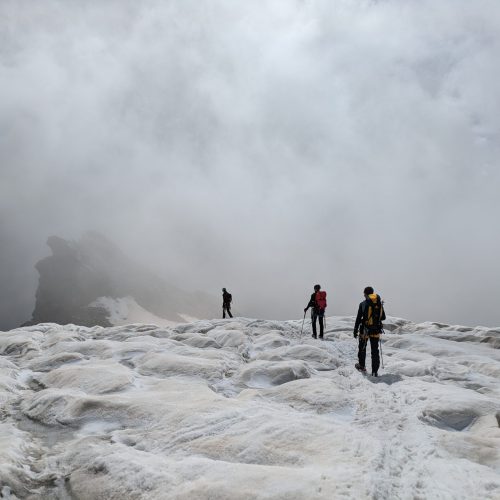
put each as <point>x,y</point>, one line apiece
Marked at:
<point>261,147</point>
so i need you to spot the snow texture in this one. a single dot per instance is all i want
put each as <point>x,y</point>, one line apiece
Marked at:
<point>248,409</point>
<point>125,310</point>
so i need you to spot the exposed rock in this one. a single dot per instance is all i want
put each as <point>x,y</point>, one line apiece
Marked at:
<point>78,273</point>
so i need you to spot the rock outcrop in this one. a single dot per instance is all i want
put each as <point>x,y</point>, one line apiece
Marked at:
<point>79,273</point>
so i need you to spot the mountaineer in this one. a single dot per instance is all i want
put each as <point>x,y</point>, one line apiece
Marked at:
<point>318,306</point>
<point>369,325</point>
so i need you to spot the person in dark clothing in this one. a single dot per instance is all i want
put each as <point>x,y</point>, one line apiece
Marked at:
<point>317,306</point>
<point>227,298</point>
<point>369,325</point>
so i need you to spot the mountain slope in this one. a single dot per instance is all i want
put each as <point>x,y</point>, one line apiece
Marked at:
<point>78,275</point>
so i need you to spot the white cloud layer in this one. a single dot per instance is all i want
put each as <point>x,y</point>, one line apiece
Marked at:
<point>260,146</point>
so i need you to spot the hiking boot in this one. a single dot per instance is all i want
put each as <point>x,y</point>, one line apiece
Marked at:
<point>314,336</point>
<point>321,337</point>
<point>374,374</point>
<point>360,368</point>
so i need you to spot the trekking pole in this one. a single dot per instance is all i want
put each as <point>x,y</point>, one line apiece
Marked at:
<point>301,330</point>
<point>381,356</point>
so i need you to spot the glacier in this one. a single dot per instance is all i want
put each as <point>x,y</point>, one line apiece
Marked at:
<point>243,409</point>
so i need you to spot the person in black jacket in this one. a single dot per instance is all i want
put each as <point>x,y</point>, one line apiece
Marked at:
<point>316,313</point>
<point>369,325</point>
<point>227,298</point>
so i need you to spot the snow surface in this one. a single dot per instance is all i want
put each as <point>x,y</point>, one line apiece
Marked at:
<point>125,310</point>
<point>248,409</point>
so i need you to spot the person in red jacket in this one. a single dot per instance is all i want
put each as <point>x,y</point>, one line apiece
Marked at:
<point>318,305</point>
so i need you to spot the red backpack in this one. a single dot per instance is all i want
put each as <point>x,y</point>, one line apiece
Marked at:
<point>321,299</point>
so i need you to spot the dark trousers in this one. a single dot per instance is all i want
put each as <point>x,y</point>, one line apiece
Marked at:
<point>363,340</point>
<point>320,314</point>
<point>226,307</point>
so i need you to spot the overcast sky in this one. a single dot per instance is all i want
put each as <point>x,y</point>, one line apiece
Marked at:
<point>260,146</point>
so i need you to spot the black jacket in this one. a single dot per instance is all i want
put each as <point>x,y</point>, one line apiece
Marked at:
<point>312,303</point>
<point>360,318</point>
<point>227,298</point>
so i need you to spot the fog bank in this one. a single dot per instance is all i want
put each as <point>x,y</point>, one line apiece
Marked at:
<point>259,147</point>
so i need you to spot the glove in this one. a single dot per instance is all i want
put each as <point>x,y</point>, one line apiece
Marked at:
<point>355,335</point>
<point>305,310</point>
